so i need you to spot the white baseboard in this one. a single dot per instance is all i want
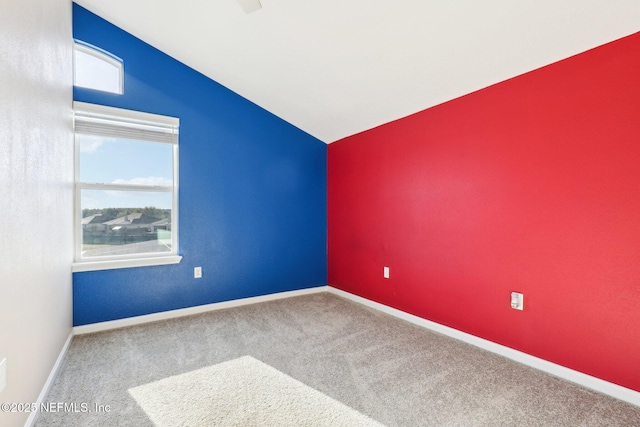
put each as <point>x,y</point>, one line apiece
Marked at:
<point>613,390</point>
<point>138,320</point>
<point>47,385</point>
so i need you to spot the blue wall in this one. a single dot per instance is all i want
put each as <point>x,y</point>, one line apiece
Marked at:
<point>252,191</point>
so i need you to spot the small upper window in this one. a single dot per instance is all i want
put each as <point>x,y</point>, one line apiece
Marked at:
<point>96,69</point>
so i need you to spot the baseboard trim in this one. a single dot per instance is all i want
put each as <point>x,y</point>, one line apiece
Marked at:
<point>154,317</point>
<point>597,384</point>
<point>47,385</point>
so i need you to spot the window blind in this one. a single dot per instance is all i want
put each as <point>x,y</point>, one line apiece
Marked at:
<point>110,124</point>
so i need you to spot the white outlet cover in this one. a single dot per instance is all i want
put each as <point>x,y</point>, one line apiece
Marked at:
<point>197,272</point>
<point>517,301</point>
<point>3,374</point>
<point>386,272</point>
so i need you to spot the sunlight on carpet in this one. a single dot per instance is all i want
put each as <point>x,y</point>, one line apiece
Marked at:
<point>241,392</point>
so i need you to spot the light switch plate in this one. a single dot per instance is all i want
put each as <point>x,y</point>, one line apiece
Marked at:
<point>386,272</point>
<point>3,374</point>
<point>197,272</point>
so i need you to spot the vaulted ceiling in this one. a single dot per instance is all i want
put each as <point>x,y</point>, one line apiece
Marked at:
<point>337,67</point>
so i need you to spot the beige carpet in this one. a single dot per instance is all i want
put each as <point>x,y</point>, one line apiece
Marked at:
<point>392,371</point>
<point>241,392</point>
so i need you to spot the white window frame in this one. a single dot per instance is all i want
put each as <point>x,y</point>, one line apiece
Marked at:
<point>102,55</point>
<point>95,119</point>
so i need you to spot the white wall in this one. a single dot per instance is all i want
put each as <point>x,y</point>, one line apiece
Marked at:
<point>36,203</point>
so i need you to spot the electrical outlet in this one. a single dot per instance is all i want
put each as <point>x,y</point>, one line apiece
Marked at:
<point>517,301</point>
<point>3,374</point>
<point>197,272</point>
<point>385,272</point>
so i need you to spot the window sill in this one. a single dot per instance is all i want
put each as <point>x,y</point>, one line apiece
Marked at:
<point>124,263</point>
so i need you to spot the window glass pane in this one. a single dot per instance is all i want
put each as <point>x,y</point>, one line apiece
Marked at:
<point>124,161</point>
<point>125,222</point>
<point>94,72</point>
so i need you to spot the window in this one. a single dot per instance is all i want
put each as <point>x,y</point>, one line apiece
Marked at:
<point>97,69</point>
<point>126,183</point>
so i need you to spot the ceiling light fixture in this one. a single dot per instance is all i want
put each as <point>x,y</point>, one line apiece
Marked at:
<point>249,5</point>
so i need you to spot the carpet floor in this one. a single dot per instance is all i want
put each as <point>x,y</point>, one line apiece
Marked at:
<point>387,370</point>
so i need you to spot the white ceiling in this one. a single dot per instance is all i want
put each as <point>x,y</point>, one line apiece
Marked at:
<point>337,67</point>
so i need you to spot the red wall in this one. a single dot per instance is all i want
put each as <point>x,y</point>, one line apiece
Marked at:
<point>530,185</point>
